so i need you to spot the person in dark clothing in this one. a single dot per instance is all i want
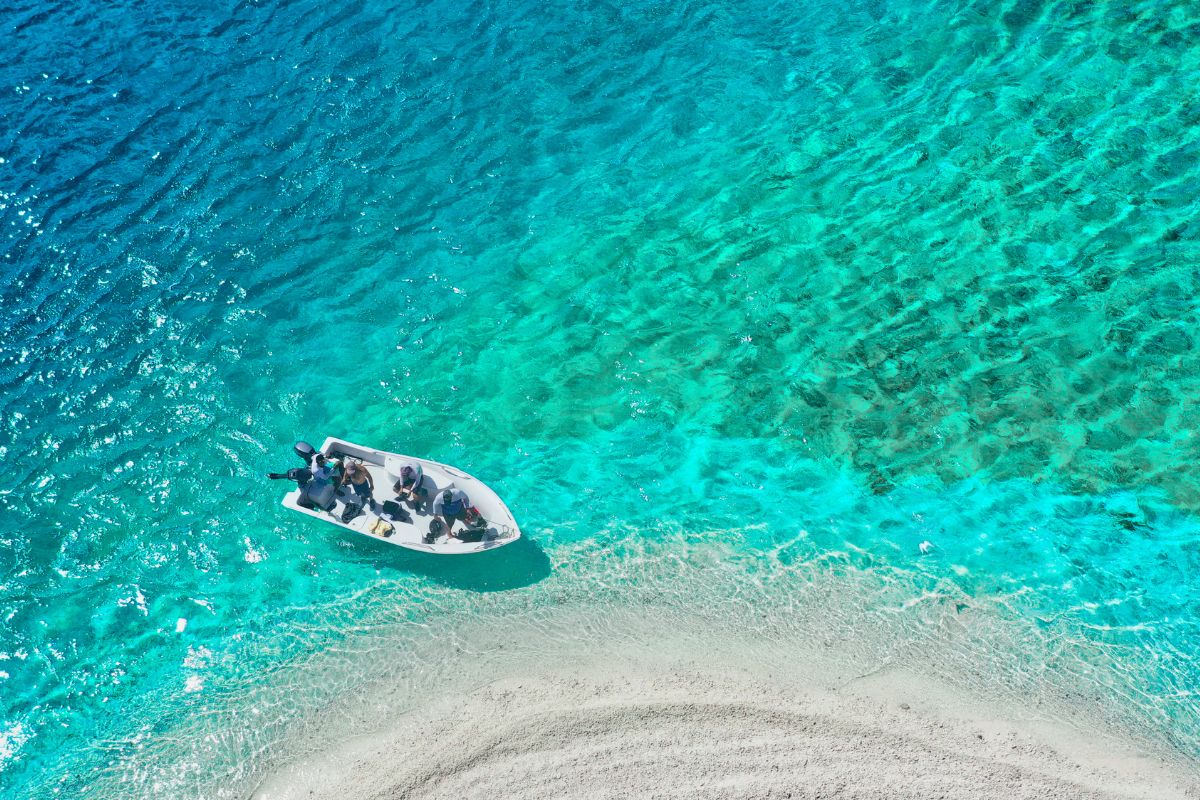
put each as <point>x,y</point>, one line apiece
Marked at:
<point>450,507</point>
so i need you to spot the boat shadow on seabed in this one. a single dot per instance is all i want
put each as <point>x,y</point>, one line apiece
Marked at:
<point>517,564</point>
<point>522,563</point>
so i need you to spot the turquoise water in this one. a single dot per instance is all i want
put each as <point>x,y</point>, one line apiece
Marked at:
<point>736,305</point>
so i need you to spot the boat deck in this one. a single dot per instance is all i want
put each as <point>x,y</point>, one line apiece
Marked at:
<point>410,529</point>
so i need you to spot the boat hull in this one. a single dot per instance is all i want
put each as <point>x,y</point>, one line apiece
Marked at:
<point>501,529</point>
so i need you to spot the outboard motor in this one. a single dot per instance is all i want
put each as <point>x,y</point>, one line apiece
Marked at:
<point>300,475</point>
<point>305,451</point>
<point>313,494</point>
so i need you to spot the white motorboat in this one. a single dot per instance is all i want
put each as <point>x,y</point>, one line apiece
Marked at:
<point>409,527</point>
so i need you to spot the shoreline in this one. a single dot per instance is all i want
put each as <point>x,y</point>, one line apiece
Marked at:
<point>613,729</point>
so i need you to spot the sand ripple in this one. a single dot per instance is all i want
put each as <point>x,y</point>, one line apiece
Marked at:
<point>697,735</point>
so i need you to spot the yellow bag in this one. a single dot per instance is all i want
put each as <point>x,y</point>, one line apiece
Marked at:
<point>381,527</point>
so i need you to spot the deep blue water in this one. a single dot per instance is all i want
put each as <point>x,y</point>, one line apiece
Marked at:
<point>736,305</point>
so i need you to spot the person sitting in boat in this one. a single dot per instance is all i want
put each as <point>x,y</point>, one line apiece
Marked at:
<point>322,470</point>
<point>451,506</point>
<point>320,489</point>
<point>411,487</point>
<point>359,478</point>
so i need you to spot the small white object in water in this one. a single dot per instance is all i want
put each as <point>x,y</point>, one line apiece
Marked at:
<point>926,546</point>
<point>180,625</point>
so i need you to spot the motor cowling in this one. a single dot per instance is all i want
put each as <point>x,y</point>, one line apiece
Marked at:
<point>306,451</point>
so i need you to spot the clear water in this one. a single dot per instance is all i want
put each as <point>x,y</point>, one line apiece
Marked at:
<point>735,304</point>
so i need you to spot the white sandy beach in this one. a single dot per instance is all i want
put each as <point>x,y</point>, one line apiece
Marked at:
<point>679,732</point>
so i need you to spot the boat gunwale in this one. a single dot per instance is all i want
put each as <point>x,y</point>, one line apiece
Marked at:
<point>334,444</point>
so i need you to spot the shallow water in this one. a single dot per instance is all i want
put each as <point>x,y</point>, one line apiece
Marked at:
<point>728,302</point>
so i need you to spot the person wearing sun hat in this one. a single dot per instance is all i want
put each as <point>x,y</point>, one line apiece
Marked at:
<point>411,488</point>
<point>359,478</point>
